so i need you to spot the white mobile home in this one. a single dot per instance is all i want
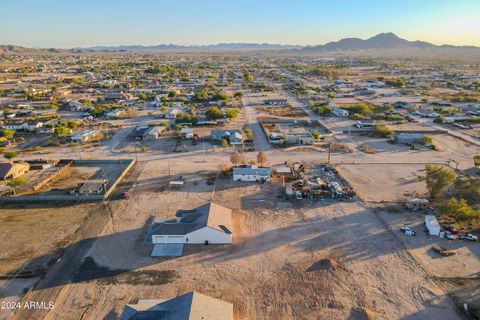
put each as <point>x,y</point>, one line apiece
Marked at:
<point>251,173</point>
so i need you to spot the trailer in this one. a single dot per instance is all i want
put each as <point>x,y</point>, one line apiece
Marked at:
<point>432,225</point>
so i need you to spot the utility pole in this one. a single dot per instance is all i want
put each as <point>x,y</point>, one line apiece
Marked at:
<point>329,152</point>
<point>79,152</point>
<point>168,164</point>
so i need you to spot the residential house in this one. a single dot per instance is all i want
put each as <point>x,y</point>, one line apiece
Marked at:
<point>304,137</point>
<point>189,306</point>
<point>207,224</point>
<point>24,126</point>
<point>251,173</point>
<point>425,113</point>
<point>409,138</point>
<point>12,170</point>
<point>117,113</point>
<point>173,113</point>
<point>153,133</point>
<point>187,133</point>
<point>366,124</point>
<point>340,112</point>
<point>276,102</point>
<point>83,136</point>
<point>234,137</point>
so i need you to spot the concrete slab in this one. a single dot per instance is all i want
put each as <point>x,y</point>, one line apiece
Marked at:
<point>167,250</point>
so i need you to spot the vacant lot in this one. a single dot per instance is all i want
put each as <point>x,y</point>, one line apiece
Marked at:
<point>385,182</point>
<point>288,112</point>
<point>31,239</point>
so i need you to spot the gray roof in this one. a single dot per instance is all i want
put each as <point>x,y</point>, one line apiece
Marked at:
<point>209,215</point>
<point>189,306</point>
<point>252,171</point>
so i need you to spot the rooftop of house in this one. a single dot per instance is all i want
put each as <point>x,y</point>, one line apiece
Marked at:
<point>189,306</point>
<point>252,170</point>
<point>210,215</point>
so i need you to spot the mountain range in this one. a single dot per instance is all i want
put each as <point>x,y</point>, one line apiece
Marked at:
<point>173,47</point>
<point>382,43</point>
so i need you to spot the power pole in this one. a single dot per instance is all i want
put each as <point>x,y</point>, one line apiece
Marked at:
<point>329,153</point>
<point>79,152</point>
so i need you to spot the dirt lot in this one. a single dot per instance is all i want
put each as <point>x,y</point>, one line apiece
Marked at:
<point>288,112</point>
<point>385,182</point>
<point>288,260</point>
<point>30,239</point>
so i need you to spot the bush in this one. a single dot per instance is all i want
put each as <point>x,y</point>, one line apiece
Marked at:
<point>458,209</point>
<point>382,131</point>
<point>10,154</point>
<point>17,182</point>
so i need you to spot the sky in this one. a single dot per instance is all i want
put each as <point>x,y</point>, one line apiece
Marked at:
<point>83,23</point>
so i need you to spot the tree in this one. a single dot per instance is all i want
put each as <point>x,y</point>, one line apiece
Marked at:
<point>330,95</point>
<point>235,158</point>
<point>143,97</point>
<point>10,154</point>
<point>232,113</point>
<point>261,158</point>
<point>201,95</point>
<point>248,77</point>
<point>467,188</point>
<point>382,131</point>
<point>97,111</point>
<point>213,113</point>
<point>18,182</point>
<point>8,134</point>
<point>72,124</point>
<point>458,209</point>
<point>238,95</point>
<point>62,130</point>
<point>249,133</point>
<point>438,178</point>
<point>476,160</point>
<point>427,139</point>
<point>225,143</point>
<point>172,94</point>
<point>243,158</point>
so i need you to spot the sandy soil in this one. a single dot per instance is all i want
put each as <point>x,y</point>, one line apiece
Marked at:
<point>387,182</point>
<point>287,261</point>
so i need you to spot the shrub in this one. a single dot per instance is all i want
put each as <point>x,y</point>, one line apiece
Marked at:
<point>18,182</point>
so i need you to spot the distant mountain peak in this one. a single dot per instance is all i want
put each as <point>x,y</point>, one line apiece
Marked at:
<point>381,41</point>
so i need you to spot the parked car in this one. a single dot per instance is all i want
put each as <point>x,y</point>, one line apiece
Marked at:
<point>298,195</point>
<point>468,237</point>
<point>408,231</point>
<point>449,235</point>
<point>450,229</point>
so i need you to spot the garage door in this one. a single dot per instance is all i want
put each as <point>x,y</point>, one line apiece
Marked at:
<point>167,250</point>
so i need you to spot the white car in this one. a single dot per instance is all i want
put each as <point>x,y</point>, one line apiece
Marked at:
<point>408,231</point>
